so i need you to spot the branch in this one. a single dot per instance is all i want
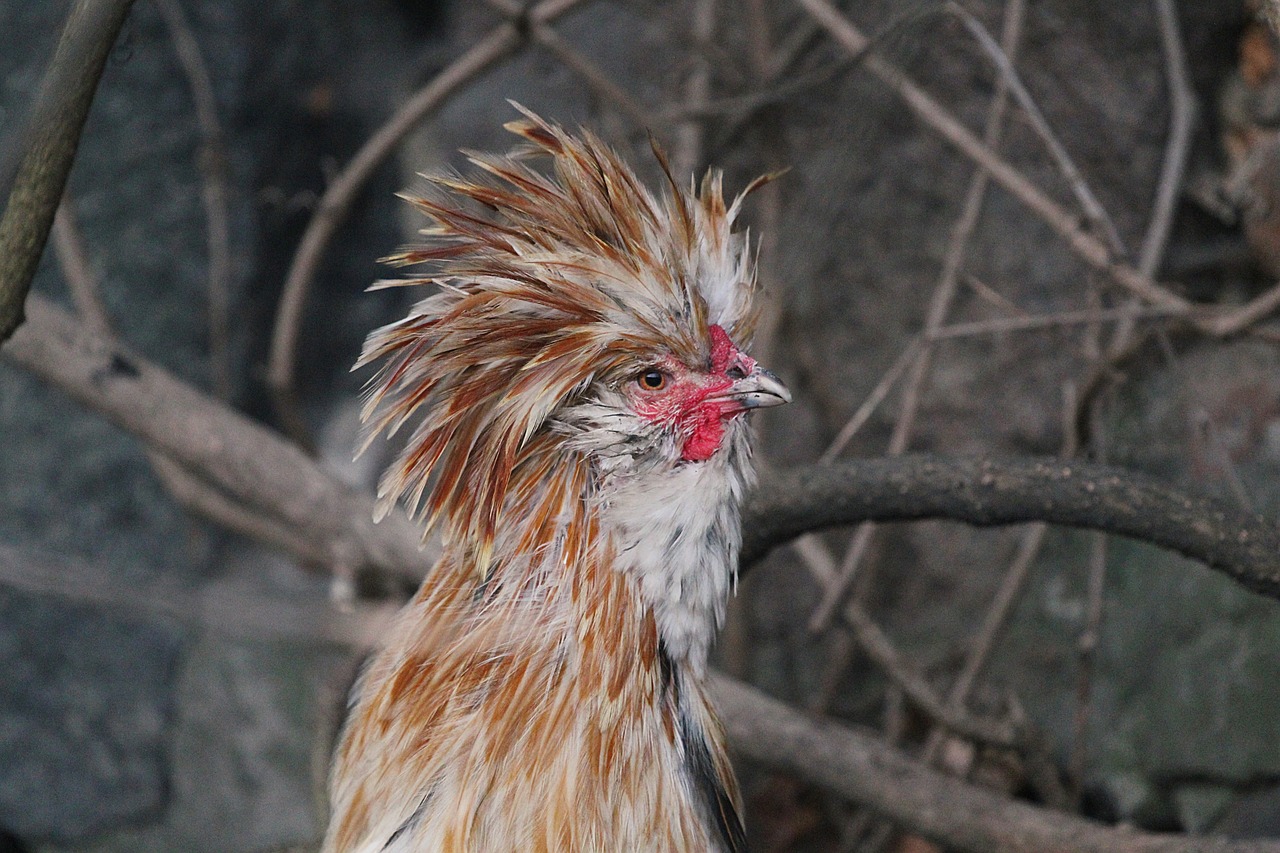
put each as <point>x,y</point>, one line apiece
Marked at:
<point>222,608</point>
<point>214,192</point>
<point>256,466</point>
<point>1088,247</point>
<point>247,461</point>
<point>53,133</point>
<point>954,813</point>
<point>988,492</point>
<point>334,205</point>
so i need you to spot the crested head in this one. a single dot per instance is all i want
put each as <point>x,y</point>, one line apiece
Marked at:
<point>579,318</point>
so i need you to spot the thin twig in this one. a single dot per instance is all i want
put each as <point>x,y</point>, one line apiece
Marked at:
<point>1236,320</point>
<point>333,206</point>
<point>1093,208</point>
<point>1182,117</point>
<point>1085,245</point>
<point>689,135</point>
<point>595,77</point>
<point>1087,649</point>
<point>881,650</point>
<point>52,135</point>
<point>873,400</point>
<point>214,194</point>
<point>1001,325</point>
<point>940,303</point>
<point>990,294</point>
<point>74,261</point>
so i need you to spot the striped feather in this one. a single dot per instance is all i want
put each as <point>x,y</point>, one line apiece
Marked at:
<point>525,699</point>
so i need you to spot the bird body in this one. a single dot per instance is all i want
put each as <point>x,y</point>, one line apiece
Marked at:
<point>580,386</point>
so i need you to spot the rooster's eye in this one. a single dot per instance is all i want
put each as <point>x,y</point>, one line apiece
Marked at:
<point>652,380</point>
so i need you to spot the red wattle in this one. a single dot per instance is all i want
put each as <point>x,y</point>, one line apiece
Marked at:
<point>705,440</point>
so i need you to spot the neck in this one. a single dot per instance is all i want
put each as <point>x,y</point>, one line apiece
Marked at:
<point>501,705</point>
<point>677,535</point>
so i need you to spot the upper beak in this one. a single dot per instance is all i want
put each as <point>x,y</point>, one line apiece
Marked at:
<point>758,390</point>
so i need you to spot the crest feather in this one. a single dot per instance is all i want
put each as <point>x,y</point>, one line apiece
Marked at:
<point>549,282</point>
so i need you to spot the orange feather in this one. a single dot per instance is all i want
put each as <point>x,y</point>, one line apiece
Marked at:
<point>541,692</point>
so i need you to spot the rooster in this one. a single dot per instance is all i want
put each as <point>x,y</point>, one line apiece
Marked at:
<point>580,381</point>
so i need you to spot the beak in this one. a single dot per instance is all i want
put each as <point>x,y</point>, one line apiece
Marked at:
<point>758,390</point>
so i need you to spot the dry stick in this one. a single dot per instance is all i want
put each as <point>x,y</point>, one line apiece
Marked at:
<point>689,135</point>
<point>1001,607</point>
<point>939,306</point>
<point>1182,119</point>
<point>1181,125</point>
<point>1041,322</point>
<point>953,813</point>
<point>591,73</point>
<point>1093,209</point>
<point>1084,244</point>
<point>252,465</point>
<point>1239,319</point>
<point>183,485</point>
<point>51,137</point>
<point>1086,648</point>
<point>595,77</point>
<point>1173,167</point>
<point>996,492</point>
<point>859,418</point>
<point>903,673</point>
<point>214,194</point>
<point>333,206</point>
<point>900,671</point>
<point>836,758</point>
<point>76,269</point>
<point>225,611</point>
<point>990,294</point>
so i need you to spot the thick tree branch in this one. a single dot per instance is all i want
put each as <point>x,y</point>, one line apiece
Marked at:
<point>53,133</point>
<point>256,466</point>
<point>990,492</point>
<point>953,813</point>
<point>249,462</point>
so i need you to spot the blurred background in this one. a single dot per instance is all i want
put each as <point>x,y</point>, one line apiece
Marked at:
<point>171,685</point>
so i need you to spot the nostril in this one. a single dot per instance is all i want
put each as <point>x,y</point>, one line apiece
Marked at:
<point>735,372</point>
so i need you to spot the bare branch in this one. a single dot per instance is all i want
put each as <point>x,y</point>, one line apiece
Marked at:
<point>954,813</point>
<point>227,611</point>
<point>250,463</point>
<point>334,205</point>
<point>944,294</point>
<point>53,134</point>
<point>881,650</point>
<point>988,492</point>
<point>1088,247</point>
<point>213,170</point>
<point>1093,208</point>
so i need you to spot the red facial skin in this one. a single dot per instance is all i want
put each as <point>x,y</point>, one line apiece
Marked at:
<point>684,401</point>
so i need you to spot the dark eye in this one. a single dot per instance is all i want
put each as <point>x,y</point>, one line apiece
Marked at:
<point>652,380</point>
<point>736,372</point>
